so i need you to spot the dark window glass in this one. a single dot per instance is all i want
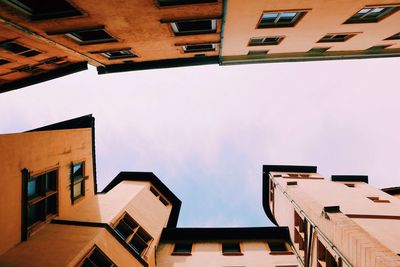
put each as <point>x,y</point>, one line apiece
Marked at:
<point>183,247</point>
<point>35,213</point>
<point>77,171</point>
<point>92,35</point>
<point>124,229</point>
<point>183,2</point>
<point>230,248</point>
<point>199,47</point>
<point>30,53</point>
<point>33,188</point>
<point>138,244</point>
<point>372,14</point>
<point>51,205</point>
<point>200,25</point>
<point>14,47</point>
<point>277,245</point>
<point>279,19</point>
<point>97,259</point>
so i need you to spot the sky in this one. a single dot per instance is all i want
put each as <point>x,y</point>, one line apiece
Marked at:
<point>206,131</point>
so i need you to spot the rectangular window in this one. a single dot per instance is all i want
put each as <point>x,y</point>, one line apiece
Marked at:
<point>39,9</point>
<point>41,197</point>
<point>19,49</point>
<point>133,234</point>
<point>96,258</point>
<point>91,36</point>
<point>230,248</point>
<point>337,37</point>
<point>278,247</point>
<point>378,200</point>
<point>268,40</point>
<point>183,2</point>
<point>159,196</point>
<point>279,19</point>
<point>77,181</point>
<point>190,48</point>
<point>372,14</point>
<point>189,27</point>
<point>118,54</point>
<point>182,249</point>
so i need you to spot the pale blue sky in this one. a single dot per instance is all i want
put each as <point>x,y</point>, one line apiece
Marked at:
<point>206,131</point>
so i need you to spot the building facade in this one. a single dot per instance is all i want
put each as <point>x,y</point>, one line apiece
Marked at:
<point>40,40</point>
<point>342,222</point>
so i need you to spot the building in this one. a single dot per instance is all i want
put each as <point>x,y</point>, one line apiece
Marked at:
<point>51,213</point>
<point>342,222</point>
<point>285,31</point>
<point>41,41</point>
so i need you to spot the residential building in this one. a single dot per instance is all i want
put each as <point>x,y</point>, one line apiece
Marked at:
<point>339,222</point>
<point>51,213</point>
<point>304,30</point>
<point>40,38</point>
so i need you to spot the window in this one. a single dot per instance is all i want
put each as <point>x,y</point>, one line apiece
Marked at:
<point>77,181</point>
<point>92,36</point>
<point>183,2</point>
<point>256,53</point>
<point>118,54</point>
<point>39,9</point>
<point>394,37</point>
<point>324,258</point>
<point>340,37</point>
<point>182,249</point>
<point>378,200</point>
<point>159,196</point>
<point>3,61</point>
<point>231,249</point>
<point>133,234</point>
<point>372,14</point>
<point>269,40</point>
<point>41,195</point>
<point>318,50</point>
<point>198,48</point>
<point>28,69</point>
<point>278,247</point>
<point>194,26</point>
<point>96,258</point>
<point>279,19</point>
<point>19,49</point>
<point>377,48</point>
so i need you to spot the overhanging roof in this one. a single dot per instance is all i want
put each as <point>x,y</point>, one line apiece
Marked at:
<point>226,233</point>
<point>278,168</point>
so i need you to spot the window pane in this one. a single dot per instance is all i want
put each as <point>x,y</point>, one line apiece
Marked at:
<point>183,247</point>
<point>277,246</point>
<point>230,247</point>
<point>77,190</point>
<point>77,171</point>
<point>35,213</point>
<point>269,17</point>
<point>33,188</point>
<point>50,181</point>
<point>13,47</point>
<point>199,25</point>
<point>364,10</point>
<point>92,35</point>
<point>51,205</point>
<point>123,229</point>
<point>99,259</point>
<point>138,244</point>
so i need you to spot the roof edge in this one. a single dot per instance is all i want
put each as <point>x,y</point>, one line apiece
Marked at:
<point>156,182</point>
<point>278,168</point>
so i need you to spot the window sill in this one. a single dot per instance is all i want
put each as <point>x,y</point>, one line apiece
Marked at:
<point>232,253</point>
<point>181,254</point>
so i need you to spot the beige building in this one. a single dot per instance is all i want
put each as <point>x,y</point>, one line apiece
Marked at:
<point>302,30</point>
<point>339,222</point>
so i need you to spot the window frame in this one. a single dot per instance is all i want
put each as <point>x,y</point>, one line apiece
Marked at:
<point>137,229</point>
<point>213,48</point>
<point>231,253</point>
<point>299,15</point>
<point>23,53</point>
<point>279,39</point>
<point>39,200</point>
<point>76,180</point>
<point>73,36</point>
<point>131,55</point>
<point>391,9</point>
<point>175,29</point>
<point>287,251</point>
<point>182,253</point>
<point>90,253</point>
<point>325,39</point>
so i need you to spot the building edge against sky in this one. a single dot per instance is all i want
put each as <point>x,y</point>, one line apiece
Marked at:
<point>39,42</point>
<point>52,214</point>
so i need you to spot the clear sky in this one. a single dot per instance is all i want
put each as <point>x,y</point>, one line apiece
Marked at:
<point>206,131</point>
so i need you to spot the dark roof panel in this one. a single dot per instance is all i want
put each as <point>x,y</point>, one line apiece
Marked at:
<point>350,178</point>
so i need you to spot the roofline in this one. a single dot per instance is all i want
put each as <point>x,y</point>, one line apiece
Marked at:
<point>350,178</point>
<point>278,168</point>
<point>158,64</point>
<point>43,77</point>
<point>225,233</point>
<point>392,190</point>
<point>156,182</point>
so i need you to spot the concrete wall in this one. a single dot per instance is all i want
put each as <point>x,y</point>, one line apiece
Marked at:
<point>323,17</point>
<point>209,254</point>
<point>363,231</point>
<point>38,152</point>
